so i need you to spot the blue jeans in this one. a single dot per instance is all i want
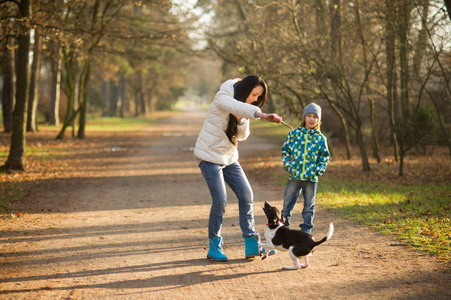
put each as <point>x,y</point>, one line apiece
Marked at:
<point>293,191</point>
<point>216,176</point>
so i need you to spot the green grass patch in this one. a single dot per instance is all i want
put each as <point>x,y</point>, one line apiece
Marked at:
<point>126,124</point>
<point>114,124</point>
<point>42,153</point>
<point>419,215</point>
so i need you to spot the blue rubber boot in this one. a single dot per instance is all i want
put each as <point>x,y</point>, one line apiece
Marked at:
<point>251,246</point>
<point>215,250</point>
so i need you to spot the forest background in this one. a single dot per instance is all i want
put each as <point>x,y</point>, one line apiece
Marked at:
<point>381,70</point>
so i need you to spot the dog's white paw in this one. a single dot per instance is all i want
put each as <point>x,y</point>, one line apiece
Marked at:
<point>291,268</point>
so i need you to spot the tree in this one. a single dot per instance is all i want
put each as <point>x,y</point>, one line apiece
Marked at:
<point>56,70</point>
<point>87,30</point>
<point>368,84</point>
<point>416,122</point>
<point>56,62</point>
<point>390,40</point>
<point>17,149</point>
<point>8,90</point>
<point>90,23</point>
<point>7,61</point>
<point>33,94</point>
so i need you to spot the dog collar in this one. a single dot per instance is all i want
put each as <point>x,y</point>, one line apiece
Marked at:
<point>274,224</point>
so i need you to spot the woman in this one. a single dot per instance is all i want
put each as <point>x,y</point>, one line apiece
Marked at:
<point>226,124</point>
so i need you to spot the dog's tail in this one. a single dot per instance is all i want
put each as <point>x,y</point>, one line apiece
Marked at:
<point>328,235</point>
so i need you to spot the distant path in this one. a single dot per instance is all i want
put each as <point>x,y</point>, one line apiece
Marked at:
<point>131,223</point>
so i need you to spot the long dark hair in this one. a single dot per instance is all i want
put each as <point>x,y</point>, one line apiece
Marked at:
<point>243,89</point>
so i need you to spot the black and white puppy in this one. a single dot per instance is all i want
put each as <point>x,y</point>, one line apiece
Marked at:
<point>299,244</point>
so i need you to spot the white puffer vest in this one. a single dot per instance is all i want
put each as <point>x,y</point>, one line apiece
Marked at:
<point>212,144</point>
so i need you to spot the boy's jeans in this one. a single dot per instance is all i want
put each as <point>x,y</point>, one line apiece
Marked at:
<point>216,176</point>
<point>292,193</point>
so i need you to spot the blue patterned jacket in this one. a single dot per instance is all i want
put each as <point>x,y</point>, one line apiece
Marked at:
<point>305,154</point>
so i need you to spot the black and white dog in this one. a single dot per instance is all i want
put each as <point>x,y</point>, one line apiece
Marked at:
<point>298,243</point>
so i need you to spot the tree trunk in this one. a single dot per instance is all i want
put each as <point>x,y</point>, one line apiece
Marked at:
<point>33,94</point>
<point>374,134</point>
<point>142,102</point>
<point>18,138</point>
<point>84,80</point>
<point>106,97</point>
<point>421,44</point>
<point>114,98</point>
<point>345,130</point>
<point>70,114</point>
<point>404,9</point>
<point>76,107</point>
<point>361,143</point>
<point>151,100</point>
<point>404,17</point>
<point>123,84</point>
<point>401,160</point>
<point>335,33</point>
<point>442,124</point>
<point>391,78</point>
<point>71,94</point>
<point>369,90</point>
<point>136,103</point>
<point>54,118</point>
<point>8,88</point>
<point>335,56</point>
<point>321,23</point>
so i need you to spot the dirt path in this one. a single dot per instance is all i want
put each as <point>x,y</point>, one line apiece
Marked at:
<point>133,225</point>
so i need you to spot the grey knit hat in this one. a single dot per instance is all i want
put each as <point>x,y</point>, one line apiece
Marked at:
<point>312,108</point>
